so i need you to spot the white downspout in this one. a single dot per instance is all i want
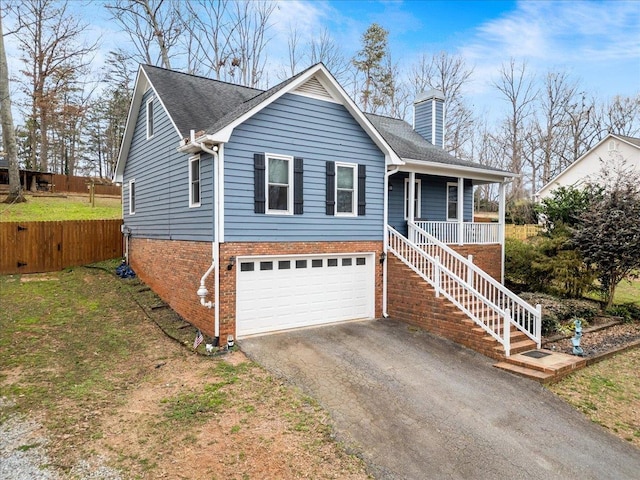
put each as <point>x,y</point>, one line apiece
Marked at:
<point>215,247</point>
<point>385,210</point>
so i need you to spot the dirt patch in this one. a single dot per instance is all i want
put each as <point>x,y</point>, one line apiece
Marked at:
<point>111,390</point>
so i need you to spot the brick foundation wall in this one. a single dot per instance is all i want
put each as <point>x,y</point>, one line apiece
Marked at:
<point>173,269</point>
<point>412,300</point>
<point>487,257</point>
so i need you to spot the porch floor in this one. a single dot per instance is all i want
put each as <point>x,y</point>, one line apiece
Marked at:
<point>546,369</point>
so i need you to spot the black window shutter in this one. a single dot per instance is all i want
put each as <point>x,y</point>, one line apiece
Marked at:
<point>298,186</point>
<point>331,188</point>
<point>362,189</point>
<point>258,183</point>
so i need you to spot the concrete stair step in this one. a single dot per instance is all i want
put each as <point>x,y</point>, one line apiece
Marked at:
<point>543,377</point>
<point>518,347</point>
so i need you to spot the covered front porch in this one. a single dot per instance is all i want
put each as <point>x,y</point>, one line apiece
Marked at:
<point>443,205</point>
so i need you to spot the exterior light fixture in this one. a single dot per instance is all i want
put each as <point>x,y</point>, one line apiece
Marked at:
<point>232,262</point>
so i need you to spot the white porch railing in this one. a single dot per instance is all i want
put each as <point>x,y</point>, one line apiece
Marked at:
<point>472,232</point>
<point>486,301</point>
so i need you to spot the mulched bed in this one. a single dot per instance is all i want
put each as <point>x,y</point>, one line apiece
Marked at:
<point>598,342</point>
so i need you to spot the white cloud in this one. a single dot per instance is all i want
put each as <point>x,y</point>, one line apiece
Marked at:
<point>583,37</point>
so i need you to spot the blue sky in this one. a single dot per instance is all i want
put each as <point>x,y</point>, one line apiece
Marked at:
<point>596,42</point>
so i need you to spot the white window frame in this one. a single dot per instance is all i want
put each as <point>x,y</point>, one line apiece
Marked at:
<point>193,159</point>
<point>289,210</point>
<point>132,196</point>
<point>354,198</point>
<point>150,124</point>
<point>452,219</point>
<point>417,200</point>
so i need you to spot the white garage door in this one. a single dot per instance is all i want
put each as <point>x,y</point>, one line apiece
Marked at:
<point>278,293</point>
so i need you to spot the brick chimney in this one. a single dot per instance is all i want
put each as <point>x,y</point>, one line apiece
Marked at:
<point>428,116</point>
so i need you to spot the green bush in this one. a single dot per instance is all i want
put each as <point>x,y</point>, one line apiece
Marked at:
<point>628,311</point>
<point>547,264</point>
<point>557,313</point>
<point>521,212</point>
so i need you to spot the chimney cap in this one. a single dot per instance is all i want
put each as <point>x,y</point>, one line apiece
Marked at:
<point>431,94</point>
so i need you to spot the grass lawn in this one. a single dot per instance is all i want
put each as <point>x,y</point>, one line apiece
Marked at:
<point>82,355</point>
<point>628,292</point>
<point>608,393</point>
<point>72,207</point>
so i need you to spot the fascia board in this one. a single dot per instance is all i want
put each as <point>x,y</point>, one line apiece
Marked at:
<point>420,166</point>
<point>142,81</point>
<point>335,90</point>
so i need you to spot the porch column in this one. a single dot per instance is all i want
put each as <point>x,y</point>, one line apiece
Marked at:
<point>460,211</point>
<point>501,212</point>
<point>412,207</point>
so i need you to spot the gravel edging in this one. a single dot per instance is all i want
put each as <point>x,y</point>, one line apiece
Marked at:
<point>23,453</point>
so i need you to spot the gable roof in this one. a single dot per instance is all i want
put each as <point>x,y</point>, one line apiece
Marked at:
<point>213,108</point>
<point>418,152</point>
<point>187,97</point>
<point>632,141</point>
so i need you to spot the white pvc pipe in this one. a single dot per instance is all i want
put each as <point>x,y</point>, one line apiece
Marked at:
<point>215,246</point>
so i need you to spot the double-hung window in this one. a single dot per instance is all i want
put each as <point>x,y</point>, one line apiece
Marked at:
<point>279,188</point>
<point>194,181</point>
<point>150,118</point>
<point>452,201</point>
<point>346,189</point>
<point>132,197</point>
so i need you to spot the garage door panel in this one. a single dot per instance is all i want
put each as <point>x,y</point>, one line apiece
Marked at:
<point>303,294</point>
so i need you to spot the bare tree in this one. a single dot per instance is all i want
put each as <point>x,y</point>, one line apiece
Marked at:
<point>250,41</point>
<point>582,128</point>
<point>449,74</point>
<point>621,116</point>
<point>154,27</point>
<point>323,48</point>
<point>210,27</point>
<point>556,96</point>
<point>8,131</point>
<point>49,38</point>
<point>519,91</point>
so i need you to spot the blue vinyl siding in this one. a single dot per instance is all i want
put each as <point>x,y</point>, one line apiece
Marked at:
<point>318,131</point>
<point>161,174</point>
<point>433,199</point>
<point>423,118</point>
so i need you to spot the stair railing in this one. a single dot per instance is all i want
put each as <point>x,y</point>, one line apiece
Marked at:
<point>483,299</point>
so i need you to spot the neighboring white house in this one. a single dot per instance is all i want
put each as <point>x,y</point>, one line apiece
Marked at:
<point>615,151</point>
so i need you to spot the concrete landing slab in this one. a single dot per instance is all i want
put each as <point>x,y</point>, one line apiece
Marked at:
<point>554,365</point>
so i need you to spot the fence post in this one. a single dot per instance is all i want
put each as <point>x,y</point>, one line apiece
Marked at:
<point>539,325</point>
<point>470,271</point>
<point>436,275</point>
<point>507,332</point>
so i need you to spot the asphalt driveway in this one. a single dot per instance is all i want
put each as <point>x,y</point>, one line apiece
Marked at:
<point>414,406</point>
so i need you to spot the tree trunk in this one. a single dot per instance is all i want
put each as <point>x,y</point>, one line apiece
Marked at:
<point>8,131</point>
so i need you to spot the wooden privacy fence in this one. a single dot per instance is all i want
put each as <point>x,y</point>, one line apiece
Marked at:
<point>30,247</point>
<point>72,184</point>
<point>521,232</point>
